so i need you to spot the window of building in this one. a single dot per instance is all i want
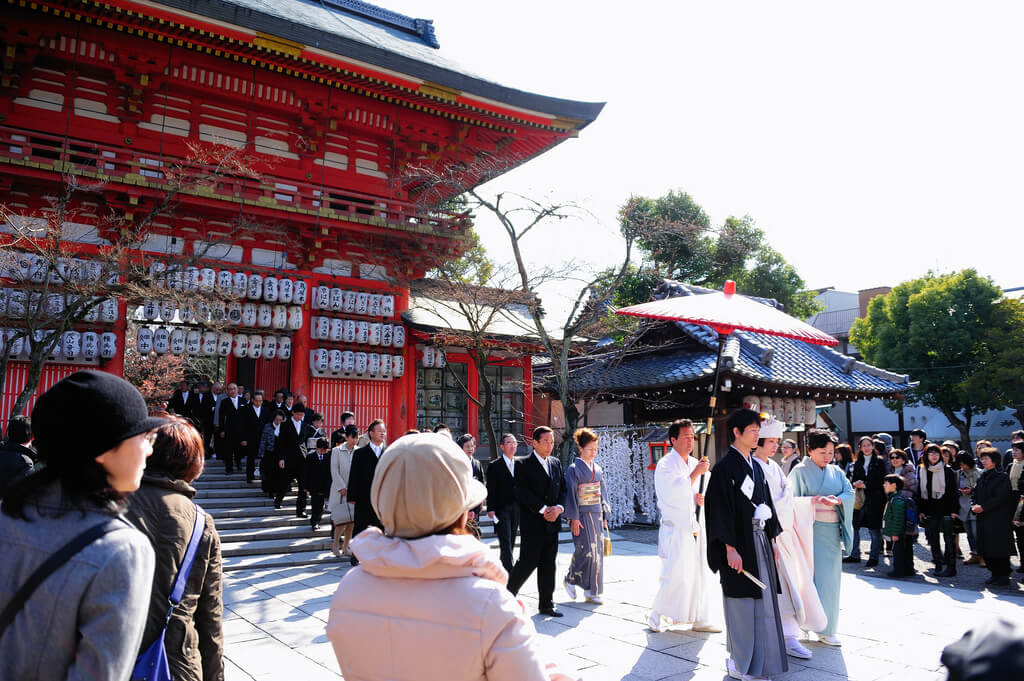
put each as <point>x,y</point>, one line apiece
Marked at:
<point>441,398</point>
<point>507,415</point>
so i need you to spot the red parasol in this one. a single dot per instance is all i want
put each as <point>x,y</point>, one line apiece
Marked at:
<point>726,312</point>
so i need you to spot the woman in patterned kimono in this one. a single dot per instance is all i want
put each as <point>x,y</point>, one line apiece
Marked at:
<point>587,512</point>
<point>831,500</point>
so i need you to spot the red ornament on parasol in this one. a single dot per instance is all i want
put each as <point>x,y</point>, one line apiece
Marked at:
<point>726,312</point>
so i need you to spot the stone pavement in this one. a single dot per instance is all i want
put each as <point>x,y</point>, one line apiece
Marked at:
<point>274,627</point>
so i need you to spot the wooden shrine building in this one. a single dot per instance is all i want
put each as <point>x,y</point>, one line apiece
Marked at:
<point>335,101</point>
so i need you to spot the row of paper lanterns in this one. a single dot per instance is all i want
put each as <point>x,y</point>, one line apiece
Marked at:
<point>348,362</point>
<point>72,346</point>
<point>193,342</point>
<point>353,302</point>
<point>785,409</point>
<point>29,267</point>
<point>17,304</point>
<point>352,331</point>
<point>434,357</point>
<point>238,284</point>
<point>250,315</point>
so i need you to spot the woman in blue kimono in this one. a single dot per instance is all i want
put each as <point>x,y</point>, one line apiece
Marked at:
<point>586,509</point>
<point>832,500</point>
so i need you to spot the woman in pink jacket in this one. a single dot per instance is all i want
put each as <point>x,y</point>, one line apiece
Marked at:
<point>428,600</point>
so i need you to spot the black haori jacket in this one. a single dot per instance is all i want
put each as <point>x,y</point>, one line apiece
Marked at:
<point>730,516</point>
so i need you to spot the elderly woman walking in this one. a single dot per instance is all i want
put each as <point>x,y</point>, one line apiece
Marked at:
<point>341,511</point>
<point>586,509</point>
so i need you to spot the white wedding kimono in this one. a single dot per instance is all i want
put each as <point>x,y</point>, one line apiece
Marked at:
<point>799,604</point>
<point>686,581</point>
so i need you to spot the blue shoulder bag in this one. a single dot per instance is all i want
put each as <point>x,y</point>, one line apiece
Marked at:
<point>152,664</point>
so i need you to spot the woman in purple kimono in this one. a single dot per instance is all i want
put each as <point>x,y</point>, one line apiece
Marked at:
<point>586,509</point>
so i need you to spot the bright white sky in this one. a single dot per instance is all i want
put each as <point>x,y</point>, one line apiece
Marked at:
<point>871,141</point>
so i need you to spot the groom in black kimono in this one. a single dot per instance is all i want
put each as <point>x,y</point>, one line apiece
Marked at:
<point>540,487</point>
<point>741,522</point>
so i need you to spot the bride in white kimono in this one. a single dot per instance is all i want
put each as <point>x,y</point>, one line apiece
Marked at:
<point>686,581</point>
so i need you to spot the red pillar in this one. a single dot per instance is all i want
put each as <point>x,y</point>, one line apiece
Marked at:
<point>527,395</point>
<point>300,380</point>
<point>115,365</point>
<point>402,411</point>
<point>472,409</point>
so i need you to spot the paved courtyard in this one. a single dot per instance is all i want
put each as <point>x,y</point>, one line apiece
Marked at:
<point>274,627</point>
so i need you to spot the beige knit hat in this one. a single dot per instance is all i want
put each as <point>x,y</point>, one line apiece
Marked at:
<point>423,483</point>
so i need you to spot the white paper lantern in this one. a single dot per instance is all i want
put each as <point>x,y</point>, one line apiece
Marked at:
<point>175,278</point>
<point>321,298</point>
<point>254,287</point>
<point>349,306</point>
<point>337,330</point>
<point>397,366</point>
<point>55,350</point>
<point>337,301</point>
<point>90,345</point>
<point>387,335</point>
<point>240,345</point>
<point>17,345</point>
<point>294,317</point>
<point>144,340</point>
<point>161,340</point>
<point>285,290</point>
<point>385,366</point>
<point>34,299</point>
<point>224,344</point>
<point>348,361</point>
<point>193,342</point>
<point>789,409</point>
<point>373,364</point>
<point>361,362</point>
<point>150,309</point>
<point>54,304</point>
<point>387,306</point>
<point>234,314</point>
<point>218,312</point>
<point>108,311</point>
<point>374,335</point>
<point>284,347</point>
<point>428,356</point>
<point>167,310</point>
<point>334,361</point>
<point>156,273</point>
<point>16,304</point>
<point>239,284</point>
<point>4,296</point>
<point>349,331</point>
<point>321,328</point>
<point>440,359</point>
<point>362,303</point>
<point>264,316</point>
<point>752,402</point>
<point>399,339</point>
<point>191,278</point>
<point>299,294</point>
<point>362,332</point>
<point>177,346</point>
<point>318,359</point>
<point>108,345</point>
<point>269,347</point>
<point>209,347</point>
<point>270,289</point>
<point>202,312</point>
<point>224,280</point>
<point>207,279</point>
<point>71,344</point>
<point>810,412</point>
<point>91,315</point>
<point>187,314</point>
<point>374,306</point>
<point>255,346</point>
<point>280,317</point>
<point>249,315</point>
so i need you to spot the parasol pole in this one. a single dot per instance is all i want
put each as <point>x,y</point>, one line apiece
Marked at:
<point>711,409</point>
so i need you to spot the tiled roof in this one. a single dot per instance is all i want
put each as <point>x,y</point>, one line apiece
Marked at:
<point>376,36</point>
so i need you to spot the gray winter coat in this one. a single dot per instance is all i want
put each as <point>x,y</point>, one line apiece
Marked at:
<point>85,621</point>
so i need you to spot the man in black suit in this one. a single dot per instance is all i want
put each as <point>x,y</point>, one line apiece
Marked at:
<point>292,441</point>
<point>540,487</point>
<point>360,478</point>
<point>502,506</point>
<point>227,428</point>
<point>250,424</point>
<point>206,402</point>
<point>316,479</point>
<point>183,402</point>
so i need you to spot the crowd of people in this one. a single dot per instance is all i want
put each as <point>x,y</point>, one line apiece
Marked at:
<point>112,566</point>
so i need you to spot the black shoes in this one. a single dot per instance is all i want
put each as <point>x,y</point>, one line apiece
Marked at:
<point>872,562</point>
<point>316,528</point>
<point>851,559</point>
<point>551,612</point>
<point>998,581</point>
<point>301,515</point>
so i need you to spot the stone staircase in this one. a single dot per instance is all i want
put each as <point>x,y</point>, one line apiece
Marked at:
<point>255,535</point>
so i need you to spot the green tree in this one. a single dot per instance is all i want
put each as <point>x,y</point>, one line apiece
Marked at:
<point>956,335</point>
<point>678,241</point>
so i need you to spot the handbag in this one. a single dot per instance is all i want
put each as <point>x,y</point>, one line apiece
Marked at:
<point>51,564</point>
<point>152,664</point>
<point>858,499</point>
<point>607,544</point>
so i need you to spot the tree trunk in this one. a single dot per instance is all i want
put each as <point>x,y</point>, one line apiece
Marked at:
<point>572,420</point>
<point>35,372</point>
<point>1018,411</point>
<point>963,425</point>
<point>485,410</point>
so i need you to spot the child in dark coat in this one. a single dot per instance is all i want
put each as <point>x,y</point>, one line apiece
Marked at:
<point>316,479</point>
<point>894,526</point>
